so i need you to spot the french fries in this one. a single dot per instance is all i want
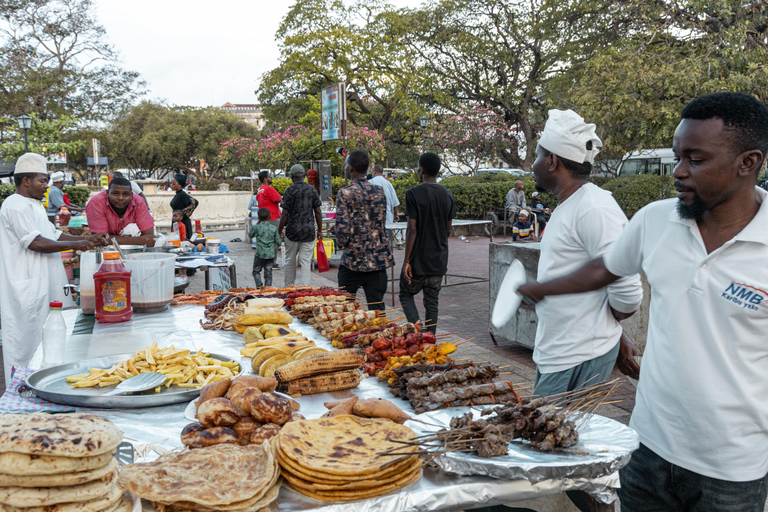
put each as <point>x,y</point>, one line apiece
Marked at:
<point>180,367</point>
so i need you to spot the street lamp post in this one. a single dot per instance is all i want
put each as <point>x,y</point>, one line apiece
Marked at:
<point>424,123</point>
<point>25,123</point>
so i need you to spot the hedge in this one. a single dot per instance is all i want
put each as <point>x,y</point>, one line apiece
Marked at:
<point>78,196</point>
<point>634,192</point>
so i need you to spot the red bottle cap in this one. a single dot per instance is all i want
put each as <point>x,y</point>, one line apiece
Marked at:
<point>56,304</point>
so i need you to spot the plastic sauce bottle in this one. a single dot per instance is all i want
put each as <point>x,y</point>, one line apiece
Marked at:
<point>54,336</point>
<point>113,290</point>
<point>64,216</point>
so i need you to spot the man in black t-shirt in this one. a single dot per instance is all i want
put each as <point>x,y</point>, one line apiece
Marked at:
<point>430,208</point>
<point>301,213</point>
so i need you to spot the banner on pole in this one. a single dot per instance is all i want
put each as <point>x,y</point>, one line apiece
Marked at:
<point>333,101</point>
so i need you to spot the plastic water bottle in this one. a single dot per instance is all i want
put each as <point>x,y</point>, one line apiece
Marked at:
<point>54,336</point>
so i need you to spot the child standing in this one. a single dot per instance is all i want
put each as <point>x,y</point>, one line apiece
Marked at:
<point>178,224</point>
<point>266,237</point>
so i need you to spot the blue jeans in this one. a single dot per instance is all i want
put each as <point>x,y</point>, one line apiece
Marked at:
<point>590,372</point>
<point>260,264</point>
<point>651,484</point>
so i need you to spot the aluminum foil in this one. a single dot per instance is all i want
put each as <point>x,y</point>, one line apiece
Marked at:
<point>604,446</point>
<point>156,430</point>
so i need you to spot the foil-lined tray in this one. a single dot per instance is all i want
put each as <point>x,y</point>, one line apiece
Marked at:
<point>604,446</point>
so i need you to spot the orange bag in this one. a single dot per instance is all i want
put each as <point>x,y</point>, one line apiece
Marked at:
<point>322,259</point>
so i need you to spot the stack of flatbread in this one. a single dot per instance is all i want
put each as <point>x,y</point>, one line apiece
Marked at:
<point>223,477</point>
<point>59,463</point>
<point>338,458</point>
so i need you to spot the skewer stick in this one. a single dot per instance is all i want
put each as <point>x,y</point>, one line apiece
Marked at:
<point>446,334</point>
<point>463,342</point>
<point>503,367</point>
<point>530,396</point>
<point>369,303</point>
<point>460,360</point>
<point>396,319</point>
<point>505,373</point>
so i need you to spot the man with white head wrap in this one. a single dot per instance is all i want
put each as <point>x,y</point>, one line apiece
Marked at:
<point>56,196</point>
<point>577,337</point>
<point>31,271</point>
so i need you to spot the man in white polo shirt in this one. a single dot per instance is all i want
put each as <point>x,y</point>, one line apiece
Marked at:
<point>577,337</point>
<point>702,401</point>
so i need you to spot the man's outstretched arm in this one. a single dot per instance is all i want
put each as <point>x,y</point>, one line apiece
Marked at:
<point>591,276</point>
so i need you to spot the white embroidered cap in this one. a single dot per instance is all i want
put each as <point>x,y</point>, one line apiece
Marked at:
<point>31,163</point>
<point>567,135</point>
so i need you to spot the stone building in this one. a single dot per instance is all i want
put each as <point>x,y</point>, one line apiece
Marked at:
<point>249,113</point>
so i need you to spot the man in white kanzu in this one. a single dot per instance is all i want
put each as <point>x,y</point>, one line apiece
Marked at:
<point>31,271</point>
<point>577,337</point>
<point>702,400</point>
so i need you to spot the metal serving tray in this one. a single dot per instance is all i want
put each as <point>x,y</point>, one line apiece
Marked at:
<point>604,446</point>
<point>51,384</point>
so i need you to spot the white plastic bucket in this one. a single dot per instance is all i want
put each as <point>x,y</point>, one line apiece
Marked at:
<point>151,281</point>
<point>212,246</point>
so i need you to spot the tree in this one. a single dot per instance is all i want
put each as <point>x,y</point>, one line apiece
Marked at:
<point>472,135</point>
<point>54,62</point>
<point>501,54</point>
<point>280,150</point>
<point>46,137</point>
<point>634,90</point>
<point>170,139</point>
<point>353,44</point>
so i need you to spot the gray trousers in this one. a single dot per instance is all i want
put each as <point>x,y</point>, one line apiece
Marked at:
<point>591,372</point>
<point>302,250</point>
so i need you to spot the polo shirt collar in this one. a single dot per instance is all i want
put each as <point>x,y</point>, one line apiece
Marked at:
<point>754,231</point>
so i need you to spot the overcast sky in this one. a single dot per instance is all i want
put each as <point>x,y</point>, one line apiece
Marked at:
<point>198,52</point>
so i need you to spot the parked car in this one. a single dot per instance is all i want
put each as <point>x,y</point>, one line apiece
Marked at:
<point>504,170</point>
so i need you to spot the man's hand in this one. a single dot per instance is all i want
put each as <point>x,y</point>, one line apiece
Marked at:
<point>407,272</point>
<point>618,315</point>
<point>82,245</point>
<point>531,289</point>
<point>98,239</point>
<point>396,218</point>
<point>626,361</point>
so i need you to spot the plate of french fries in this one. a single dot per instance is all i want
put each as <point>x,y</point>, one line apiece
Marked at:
<point>84,383</point>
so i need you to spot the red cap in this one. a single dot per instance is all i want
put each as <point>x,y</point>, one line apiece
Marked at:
<point>56,304</point>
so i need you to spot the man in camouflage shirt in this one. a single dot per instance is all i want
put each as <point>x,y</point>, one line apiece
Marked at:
<point>361,214</point>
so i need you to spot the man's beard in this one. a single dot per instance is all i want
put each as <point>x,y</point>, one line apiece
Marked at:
<point>539,189</point>
<point>695,210</point>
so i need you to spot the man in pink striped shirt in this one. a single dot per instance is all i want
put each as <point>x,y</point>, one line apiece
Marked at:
<point>121,214</point>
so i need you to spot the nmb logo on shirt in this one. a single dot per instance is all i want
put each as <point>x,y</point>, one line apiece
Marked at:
<point>744,295</point>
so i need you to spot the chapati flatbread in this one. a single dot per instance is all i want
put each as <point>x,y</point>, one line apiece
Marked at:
<point>262,504</point>
<point>102,504</point>
<point>316,476</point>
<point>62,480</point>
<point>356,485</point>
<point>65,435</point>
<point>25,464</point>
<point>45,496</point>
<point>213,476</point>
<point>334,496</point>
<point>343,445</point>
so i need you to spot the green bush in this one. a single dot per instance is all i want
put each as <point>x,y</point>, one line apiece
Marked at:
<point>5,191</point>
<point>78,196</point>
<point>634,192</point>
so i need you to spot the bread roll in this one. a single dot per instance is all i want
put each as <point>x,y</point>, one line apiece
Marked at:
<point>296,417</point>
<point>245,428</point>
<point>253,381</point>
<point>216,435</point>
<point>218,412</point>
<point>264,433</point>
<point>271,408</point>
<point>190,433</point>
<point>213,390</point>
<point>242,398</point>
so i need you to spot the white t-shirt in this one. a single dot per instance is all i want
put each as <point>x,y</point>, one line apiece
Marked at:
<point>702,400</point>
<point>30,280</point>
<point>389,191</point>
<point>576,328</point>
